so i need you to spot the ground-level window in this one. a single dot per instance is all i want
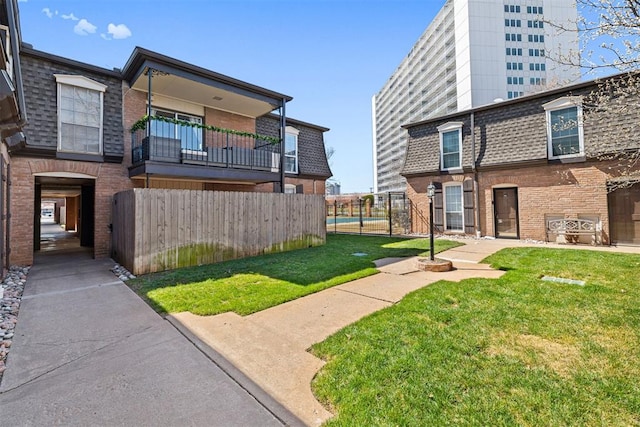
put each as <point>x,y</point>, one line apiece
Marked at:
<point>453,207</point>
<point>289,189</point>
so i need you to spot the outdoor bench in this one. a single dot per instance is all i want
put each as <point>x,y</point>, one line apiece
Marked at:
<point>571,229</point>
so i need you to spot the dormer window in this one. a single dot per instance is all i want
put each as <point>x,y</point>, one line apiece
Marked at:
<point>79,114</point>
<point>565,137</point>
<point>451,146</point>
<point>291,150</point>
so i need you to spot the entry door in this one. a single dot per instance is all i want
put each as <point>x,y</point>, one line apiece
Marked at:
<point>624,215</point>
<point>505,206</point>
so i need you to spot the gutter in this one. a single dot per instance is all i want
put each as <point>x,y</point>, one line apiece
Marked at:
<point>17,69</point>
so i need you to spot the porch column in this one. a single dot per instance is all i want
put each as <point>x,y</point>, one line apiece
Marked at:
<point>283,136</point>
<point>149,77</point>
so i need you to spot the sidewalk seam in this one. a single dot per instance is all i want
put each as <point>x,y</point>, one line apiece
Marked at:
<point>275,408</point>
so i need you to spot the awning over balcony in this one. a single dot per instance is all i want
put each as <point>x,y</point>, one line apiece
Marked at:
<point>180,80</point>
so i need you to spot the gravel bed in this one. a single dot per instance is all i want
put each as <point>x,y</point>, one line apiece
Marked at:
<point>11,290</point>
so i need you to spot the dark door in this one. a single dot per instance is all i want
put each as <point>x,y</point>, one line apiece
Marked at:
<point>87,215</point>
<point>505,207</point>
<point>624,215</point>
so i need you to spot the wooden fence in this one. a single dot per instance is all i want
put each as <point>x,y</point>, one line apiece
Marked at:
<point>155,230</point>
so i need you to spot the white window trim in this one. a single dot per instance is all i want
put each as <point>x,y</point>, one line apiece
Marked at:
<point>444,205</point>
<point>86,83</point>
<point>292,131</point>
<point>559,104</point>
<point>289,189</point>
<point>448,127</point>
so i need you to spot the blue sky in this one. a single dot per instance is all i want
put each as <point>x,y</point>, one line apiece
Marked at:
<point>332,56</point>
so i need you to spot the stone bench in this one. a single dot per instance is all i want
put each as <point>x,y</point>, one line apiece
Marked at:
<point>571,229</point>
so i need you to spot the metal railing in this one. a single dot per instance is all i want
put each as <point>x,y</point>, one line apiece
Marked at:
<point>173,141</point>
<point>382,213</point>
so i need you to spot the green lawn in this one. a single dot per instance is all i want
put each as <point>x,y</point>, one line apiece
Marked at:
<point>252,284</point>
<point>511,351</point>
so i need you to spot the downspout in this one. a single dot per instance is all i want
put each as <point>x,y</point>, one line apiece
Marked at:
<point>283,135</point>
<point>17,68</point>
<point>476,190</point>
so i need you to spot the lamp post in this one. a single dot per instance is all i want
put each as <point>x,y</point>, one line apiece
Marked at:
<point>431,192</point>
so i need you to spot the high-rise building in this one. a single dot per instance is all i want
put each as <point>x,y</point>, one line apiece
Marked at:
<point>473,53</point>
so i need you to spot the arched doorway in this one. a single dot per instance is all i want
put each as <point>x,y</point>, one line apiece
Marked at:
<point>64,213</point>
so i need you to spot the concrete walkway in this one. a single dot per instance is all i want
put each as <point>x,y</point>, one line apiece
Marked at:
<point>89,351</point>
<point>270,346</point>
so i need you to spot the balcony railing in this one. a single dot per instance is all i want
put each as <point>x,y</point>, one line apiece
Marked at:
<point>163,139</point>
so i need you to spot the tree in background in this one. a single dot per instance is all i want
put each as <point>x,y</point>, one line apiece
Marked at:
<point>609,32</point>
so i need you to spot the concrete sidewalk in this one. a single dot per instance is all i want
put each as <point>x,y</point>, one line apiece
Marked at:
<point>89,351</point>
<point>270,346</point>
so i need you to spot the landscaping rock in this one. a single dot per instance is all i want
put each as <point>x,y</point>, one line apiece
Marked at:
<point>11,290</point>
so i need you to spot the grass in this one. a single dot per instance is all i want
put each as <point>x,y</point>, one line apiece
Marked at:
<point>510,351</point>
<point>252,284</point>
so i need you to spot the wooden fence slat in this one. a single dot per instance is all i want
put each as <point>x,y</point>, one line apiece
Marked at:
<point>157,229</point>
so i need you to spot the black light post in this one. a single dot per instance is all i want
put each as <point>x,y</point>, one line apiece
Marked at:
<point>431,192</point>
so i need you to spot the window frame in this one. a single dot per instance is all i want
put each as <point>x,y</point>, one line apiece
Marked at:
<point>561,104</point>
<point>445,190</point>
<point>447,128</point>
<point>177,135</point>
<point>82,82</point>
<point>290,130</point>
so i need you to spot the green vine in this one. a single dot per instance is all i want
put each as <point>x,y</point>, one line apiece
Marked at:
<point>142,125</point>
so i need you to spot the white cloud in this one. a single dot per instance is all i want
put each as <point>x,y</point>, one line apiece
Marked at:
<point>104,36</point>
<point>84,28</point>
<point>47,12</point>
<point>69,16</point>
<point>119,31</point>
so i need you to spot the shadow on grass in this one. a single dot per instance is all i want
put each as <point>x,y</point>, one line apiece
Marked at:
<point>341,259</point>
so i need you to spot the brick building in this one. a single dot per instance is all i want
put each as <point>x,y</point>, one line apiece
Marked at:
<point>510,169</point>
<point>90,136</point>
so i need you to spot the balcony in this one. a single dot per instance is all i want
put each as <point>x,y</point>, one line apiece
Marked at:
<point>169,147</point>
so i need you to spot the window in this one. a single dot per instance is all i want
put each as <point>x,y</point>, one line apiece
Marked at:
<point>564,128</point>
<point>190,136</point>
<point>453,207</point>
<point>79,114</point>
<point>450,145</point>
<point>289,189</point>
<point>291,150</point>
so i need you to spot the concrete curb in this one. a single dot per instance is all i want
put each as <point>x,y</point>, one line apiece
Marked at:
<point>269,403</point>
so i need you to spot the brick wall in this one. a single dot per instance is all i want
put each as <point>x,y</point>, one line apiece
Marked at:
<point>569,191</point>
<point>110,178</point>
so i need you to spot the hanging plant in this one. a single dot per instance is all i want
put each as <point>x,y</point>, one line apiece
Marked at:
<point>142,125</point>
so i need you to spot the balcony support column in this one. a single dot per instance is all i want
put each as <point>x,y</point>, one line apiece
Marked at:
<point>149,76</point>
<point>283,136</point>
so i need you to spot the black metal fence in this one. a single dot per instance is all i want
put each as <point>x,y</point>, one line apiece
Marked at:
<point>381,213</point>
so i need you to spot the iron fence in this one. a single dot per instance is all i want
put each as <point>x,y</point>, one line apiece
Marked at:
<point>381,213</point>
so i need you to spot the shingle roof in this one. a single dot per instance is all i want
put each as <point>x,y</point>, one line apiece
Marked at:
<point>312,158</point>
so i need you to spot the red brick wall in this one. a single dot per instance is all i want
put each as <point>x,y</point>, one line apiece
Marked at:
<point>110,178</point>
<point>566,190</point>
<point>569,190</point>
